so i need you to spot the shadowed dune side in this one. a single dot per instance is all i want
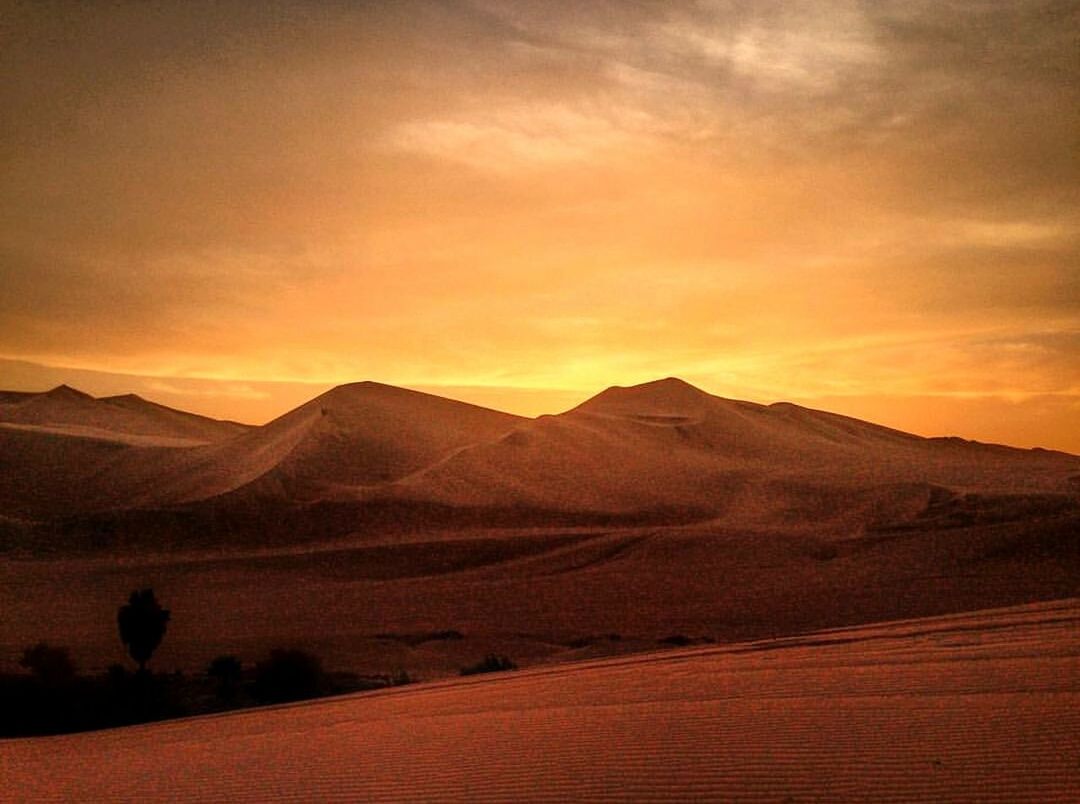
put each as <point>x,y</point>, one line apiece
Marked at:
<point>45,474</point>
<point>981,707</point>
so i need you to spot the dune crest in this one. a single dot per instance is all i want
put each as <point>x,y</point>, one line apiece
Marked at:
<point>657,450</point>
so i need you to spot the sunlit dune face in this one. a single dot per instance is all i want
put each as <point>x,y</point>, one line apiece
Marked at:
<point>870,205</point>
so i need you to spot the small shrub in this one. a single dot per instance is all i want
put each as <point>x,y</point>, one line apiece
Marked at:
<point>412,640</point>
<point>227,671</point>
<point>50,665</point>
<point>492,663</point>
<point>682,640</point>
<point>450,635</point>
<point>288,675</point>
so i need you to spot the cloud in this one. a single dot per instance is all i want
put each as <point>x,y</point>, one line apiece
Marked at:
<point>226,389</point>
<point>796,47</point>
<point>523,137</point>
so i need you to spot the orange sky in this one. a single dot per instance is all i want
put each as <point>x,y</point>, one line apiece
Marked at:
<point>871,207</point>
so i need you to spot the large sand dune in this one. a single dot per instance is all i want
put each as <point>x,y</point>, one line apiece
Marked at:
<point>669,446</point>
<point>68,454</point>
<point>978,707</point>
<point>367,457</point>
<point>352,437</point>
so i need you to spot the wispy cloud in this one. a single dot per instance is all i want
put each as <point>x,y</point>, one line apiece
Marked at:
<point>527,136</point>
<point>221,389</point>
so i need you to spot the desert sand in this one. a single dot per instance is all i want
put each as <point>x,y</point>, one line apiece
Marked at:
<point>976,707</point>
<point>582,545</point>
<point>648,512</point>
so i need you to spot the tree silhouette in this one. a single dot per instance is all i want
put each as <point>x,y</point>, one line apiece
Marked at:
<point>142,625</point>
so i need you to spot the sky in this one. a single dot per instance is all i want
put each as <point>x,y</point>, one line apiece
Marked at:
<point>870,207</point>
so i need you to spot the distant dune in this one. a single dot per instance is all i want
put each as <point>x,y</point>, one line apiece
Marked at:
<point>64,452</point>
<point>983,707</point>
<point>112,416</point>
<point>658,452</point>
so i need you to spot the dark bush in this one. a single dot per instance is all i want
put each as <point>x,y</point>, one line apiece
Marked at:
<point>443,635</point>
<point>44,702</point>
<point>419,639</point>
<point>228,672</point>
<point>50,665</point>
<point>682,640</point>
<point>491,664</point>
<point>586,641</point>
<point>288,675</point>
<point>678,640</point>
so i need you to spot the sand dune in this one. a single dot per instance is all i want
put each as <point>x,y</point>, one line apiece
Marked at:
<point>978,707</point>
<point>669,446</point>
<point>127,415</point>
<point>64,453</point>
<point>662,453</point>
<point>352,436</point>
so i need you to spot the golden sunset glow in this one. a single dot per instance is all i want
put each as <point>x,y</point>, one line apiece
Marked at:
<point>865,207</point>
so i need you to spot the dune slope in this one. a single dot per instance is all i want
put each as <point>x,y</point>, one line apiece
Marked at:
<point>982,707</point>
<point>352,437</point>
<point>69,454</point>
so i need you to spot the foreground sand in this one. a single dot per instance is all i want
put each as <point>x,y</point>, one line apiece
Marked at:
<point>973,707</point>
